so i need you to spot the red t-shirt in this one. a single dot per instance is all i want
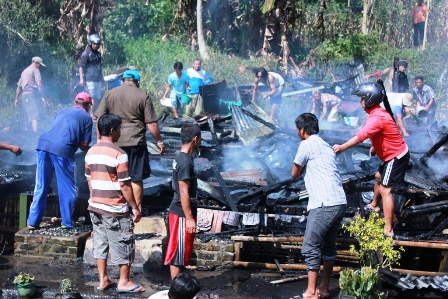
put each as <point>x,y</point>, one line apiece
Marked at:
<point>384,134</point>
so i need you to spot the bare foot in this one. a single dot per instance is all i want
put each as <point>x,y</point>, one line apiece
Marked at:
<point>323,292</point>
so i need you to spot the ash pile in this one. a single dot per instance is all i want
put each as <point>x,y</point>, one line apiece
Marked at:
<point>245,187</point>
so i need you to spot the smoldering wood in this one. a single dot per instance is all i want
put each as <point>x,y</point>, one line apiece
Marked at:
<point>443,139</point>
<point>291,279</point>
<point>224,188</point>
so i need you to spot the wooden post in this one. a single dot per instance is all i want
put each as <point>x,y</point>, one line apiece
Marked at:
<point>23,213</point>
<point>426,25</point>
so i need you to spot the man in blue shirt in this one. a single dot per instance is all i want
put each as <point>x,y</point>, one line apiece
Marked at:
<point>177,83</point>
<point>71,130</point>
<point>197,78</point>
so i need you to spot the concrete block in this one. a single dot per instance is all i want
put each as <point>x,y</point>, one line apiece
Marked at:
<point>151,224</point>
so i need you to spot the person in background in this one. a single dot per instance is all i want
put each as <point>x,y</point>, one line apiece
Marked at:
<point>388,144</point>
<point>397,103</point>
<point>425,98</point>
<point>315,159</point>
<point>402,82</point>
<point>30,88</point>
<point>275,83</point>
<point>419,13</point>
<point>15,149</point>
<point>325,101</point>
<point>112,206</point>
<point>90,70</point>
<point>177,83</point>
<point>183,286</point>
<point>136,109</point>
<point>183,208</point>
<point>71,130</point>
<point>197,78</point>
<point>115,79</point>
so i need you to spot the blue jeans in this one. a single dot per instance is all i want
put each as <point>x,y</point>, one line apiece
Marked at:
<point>320,236</point>
<point>47,164</point>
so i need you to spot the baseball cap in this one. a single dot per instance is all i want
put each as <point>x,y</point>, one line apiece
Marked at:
<point>83,97</point>
<point>407,99</point>
<point>403,63</point>
<point>38,60</point>
<point>131,74</point>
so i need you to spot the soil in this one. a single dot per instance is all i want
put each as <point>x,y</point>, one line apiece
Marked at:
<point>217,283</point>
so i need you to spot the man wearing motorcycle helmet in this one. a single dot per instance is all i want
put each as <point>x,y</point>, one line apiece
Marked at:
<point>387,143</point>
<point>90,72</point>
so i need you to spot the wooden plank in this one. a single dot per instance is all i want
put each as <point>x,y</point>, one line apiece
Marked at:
<point>220,216</point>
<point>224,188</point>
<point>290,279</point>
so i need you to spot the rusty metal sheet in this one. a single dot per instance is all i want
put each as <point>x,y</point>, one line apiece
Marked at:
<point>248,129</point>
<point>250,175</point>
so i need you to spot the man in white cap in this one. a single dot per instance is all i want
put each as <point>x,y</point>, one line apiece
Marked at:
<point>136,109</point>
<point>30,86</point>
<point>71,130</point>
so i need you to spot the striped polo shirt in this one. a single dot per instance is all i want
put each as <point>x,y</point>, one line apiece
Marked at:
<point>106,166</point>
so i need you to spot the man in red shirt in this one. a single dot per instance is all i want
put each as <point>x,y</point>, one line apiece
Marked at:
<point>387,143</point>
<point>419,17</point>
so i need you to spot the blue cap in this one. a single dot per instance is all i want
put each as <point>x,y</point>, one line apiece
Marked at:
<point>131,74</point>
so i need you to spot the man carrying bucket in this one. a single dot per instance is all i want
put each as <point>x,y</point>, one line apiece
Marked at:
<point>177,83</point>
<point>426,100</point>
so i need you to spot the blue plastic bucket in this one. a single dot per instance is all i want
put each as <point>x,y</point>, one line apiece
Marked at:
<point>185,99</point>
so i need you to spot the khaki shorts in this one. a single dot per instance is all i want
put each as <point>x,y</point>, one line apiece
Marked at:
<point>30,108</point>
<point>115,236</point>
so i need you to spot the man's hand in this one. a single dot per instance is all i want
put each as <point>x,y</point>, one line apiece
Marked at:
<point>372,152</point>
<point>16,150</point>
<point>16,103</point>
<point>136,215</point>
<point>161,148</point>
<point>191,226</point>
<point>337,148</point>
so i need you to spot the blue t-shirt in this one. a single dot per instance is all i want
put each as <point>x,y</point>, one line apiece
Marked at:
<point>178,84</point>
<point>198,79</point>
<point>72,126</point>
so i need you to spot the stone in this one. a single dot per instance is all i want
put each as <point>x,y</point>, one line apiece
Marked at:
<point>147,252</point>
<point>151,224</point>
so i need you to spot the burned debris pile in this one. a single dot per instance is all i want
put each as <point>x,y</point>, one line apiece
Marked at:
<point>244,169</point>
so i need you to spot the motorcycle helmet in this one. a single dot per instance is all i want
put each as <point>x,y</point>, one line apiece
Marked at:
<point>94,39</point>
<point>373,93</point>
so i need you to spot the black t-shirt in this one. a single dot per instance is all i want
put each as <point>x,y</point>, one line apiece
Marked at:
<point>403,82</point>
<point>91,65</point>
<point>183,169</point>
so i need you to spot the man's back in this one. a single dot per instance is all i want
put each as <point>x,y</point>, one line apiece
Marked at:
<point>135,108</point>
<point>28,80</point>
<point>71,127</point>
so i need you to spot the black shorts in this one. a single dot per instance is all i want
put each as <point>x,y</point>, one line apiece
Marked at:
<point>393,171</point>
<point>138,162</point>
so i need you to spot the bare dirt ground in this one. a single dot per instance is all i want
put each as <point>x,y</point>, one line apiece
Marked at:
<point>219,283</point>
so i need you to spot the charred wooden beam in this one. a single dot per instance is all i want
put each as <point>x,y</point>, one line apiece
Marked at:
<point>224,188</point>
<point>264,190</point>
<point>434,209</point>
<point>433,149</point>
<point>212,130</point>
<point>259,119</point>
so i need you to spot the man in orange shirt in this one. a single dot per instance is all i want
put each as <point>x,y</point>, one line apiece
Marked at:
<point>419,14</point>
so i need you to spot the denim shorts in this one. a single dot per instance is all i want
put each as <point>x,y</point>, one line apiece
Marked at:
<point>320,236</point>
<point>115,236</point>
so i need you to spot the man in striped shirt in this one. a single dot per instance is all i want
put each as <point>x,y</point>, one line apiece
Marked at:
<point>426,98</point>
<point>110,205</point>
